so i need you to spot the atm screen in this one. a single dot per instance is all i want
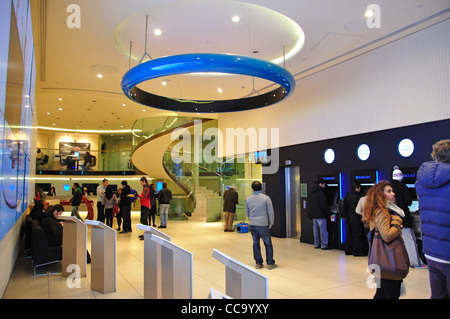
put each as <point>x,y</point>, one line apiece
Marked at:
<point>414,206</point>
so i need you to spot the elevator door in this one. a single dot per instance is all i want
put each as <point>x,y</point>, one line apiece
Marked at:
<point>292,191</point>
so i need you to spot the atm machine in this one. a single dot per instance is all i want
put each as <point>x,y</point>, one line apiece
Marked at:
<point>366,178</point>
<point>335,225</point>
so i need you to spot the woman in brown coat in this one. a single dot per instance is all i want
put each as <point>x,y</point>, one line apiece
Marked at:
<point>380,212</point>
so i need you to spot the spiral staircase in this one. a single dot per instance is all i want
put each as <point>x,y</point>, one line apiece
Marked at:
<point>152,155</point>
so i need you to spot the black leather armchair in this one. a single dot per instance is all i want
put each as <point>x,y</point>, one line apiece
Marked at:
<point>41,253</point>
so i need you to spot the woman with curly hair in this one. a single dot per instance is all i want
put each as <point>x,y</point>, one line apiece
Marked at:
<point>381,213</point>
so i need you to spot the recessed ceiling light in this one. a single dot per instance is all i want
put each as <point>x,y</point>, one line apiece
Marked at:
<point>219,90</point>
<point>236,19</point>
<point>144,110</point>
<point>157,32</point>
<point>164,82</point>
<point>48,113</point>
<point>60,109</point>
<point>99,75</point>
<point>60,99</point>
<point>124,104</point>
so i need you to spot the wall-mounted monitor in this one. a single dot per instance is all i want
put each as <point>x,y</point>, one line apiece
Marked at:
<point>261,157</point>
<point>75,149</point>
<point>365,177</point>
<point>91,188</point>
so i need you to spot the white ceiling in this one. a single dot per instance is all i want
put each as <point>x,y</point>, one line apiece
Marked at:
<point>69,59</point>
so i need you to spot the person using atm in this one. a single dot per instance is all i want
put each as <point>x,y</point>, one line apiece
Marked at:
<point>318,211</point>
<point>356,243</point>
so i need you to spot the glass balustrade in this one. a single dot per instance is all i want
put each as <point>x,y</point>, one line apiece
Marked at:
<point>203,182</point>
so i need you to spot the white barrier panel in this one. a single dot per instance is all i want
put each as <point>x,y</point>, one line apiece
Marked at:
<point>103,257</point>
<point>153,231</point>
<point>74,245</point>
<point>242,282</point>
<point>152,262</point>
<point>168,268</point>
<point>215,294</point>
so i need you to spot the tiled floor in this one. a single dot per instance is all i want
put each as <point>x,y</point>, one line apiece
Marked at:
<point>303,272</point>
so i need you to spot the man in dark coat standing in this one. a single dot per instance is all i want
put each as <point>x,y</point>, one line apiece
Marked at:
<point>318,211</point>
<point>125,205</point>
<point>230,200</point>
<point>356,242</point>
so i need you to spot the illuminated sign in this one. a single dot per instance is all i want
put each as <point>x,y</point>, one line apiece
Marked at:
<point>363,152</point>
<point>406,147</point>
<point>329,156</point>
<point>365,177</point>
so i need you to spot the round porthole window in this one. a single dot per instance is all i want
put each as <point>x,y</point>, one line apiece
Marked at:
<point>363,152</point>
<point>406,147</point>
<point>329,156</point>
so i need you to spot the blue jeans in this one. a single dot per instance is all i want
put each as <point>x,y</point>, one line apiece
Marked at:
<point>262,232</point>
<point>163,213</point>
<point>320,232</point>
<point>75,212</point>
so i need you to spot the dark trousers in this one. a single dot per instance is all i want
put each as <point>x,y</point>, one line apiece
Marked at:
<point>390,289</point>
<point>100,212</point>
<point>439,279</point>
<point>109,216</point>
<point>152,214</point>
<point>145,214</point>
<point>356,240</point>
<point>126,217</point>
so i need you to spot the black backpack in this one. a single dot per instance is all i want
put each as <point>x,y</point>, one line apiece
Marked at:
<point>342,209</point>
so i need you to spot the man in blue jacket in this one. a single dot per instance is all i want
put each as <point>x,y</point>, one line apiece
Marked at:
<point>433,191</point>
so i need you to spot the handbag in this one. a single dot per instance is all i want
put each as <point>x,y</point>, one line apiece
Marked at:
<point>116,208</point>
<point>387,260</point>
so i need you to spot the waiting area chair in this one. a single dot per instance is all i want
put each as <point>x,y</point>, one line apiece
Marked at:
<point>41,253</point>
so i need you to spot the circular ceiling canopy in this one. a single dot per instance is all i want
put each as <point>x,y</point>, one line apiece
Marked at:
<point>216,27</point>
<point>207,62</point>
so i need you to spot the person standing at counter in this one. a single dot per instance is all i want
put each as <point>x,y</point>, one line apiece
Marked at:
<point>101,189</point>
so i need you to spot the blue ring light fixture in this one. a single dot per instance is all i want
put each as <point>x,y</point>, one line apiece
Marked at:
<point>207,62</point>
